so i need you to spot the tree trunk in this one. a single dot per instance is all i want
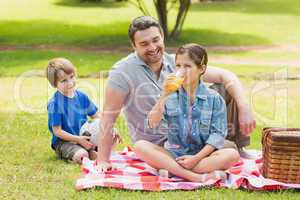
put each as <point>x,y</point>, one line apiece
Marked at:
<point>181,15</point>
<point>162,13</point>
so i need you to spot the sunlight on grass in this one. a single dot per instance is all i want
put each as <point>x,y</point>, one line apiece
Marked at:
<point>70,22</point>
<point>249,63</point>
<point>85,62</point>
<point>31,169</point>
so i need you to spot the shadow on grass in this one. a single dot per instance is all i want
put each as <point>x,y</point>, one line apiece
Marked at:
<point>290,7</point>
<point>39,32</point>
<point>215,37</point>
<point>91,4</point>
<point>36,32</point>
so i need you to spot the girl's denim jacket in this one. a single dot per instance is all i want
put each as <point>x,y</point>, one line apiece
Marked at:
<point>191,127</point>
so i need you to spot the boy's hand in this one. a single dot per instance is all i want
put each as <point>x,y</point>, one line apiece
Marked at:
<point>84,141</point>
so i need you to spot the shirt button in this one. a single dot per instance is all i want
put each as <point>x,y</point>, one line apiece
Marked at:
<point>184,115</point>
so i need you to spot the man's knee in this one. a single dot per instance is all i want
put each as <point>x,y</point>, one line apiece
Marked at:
<point>220,88</point>
<point>140,144</point>
<point>79,155</point>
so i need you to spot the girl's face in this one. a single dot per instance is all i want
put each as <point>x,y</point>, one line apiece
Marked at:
<point>191,72</point>
<point>66,84</point>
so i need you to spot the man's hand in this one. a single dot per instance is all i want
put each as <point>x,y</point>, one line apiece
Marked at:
<point>84,141</point>
<point>187,161</point>
<point>246,120</point>
<point>117,139</point>
<point>103,166</point>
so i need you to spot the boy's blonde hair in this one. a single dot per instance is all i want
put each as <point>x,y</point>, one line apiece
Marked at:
<point>57,68</point>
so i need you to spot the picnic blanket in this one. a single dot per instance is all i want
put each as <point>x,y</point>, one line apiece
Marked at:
<point>129,172</point>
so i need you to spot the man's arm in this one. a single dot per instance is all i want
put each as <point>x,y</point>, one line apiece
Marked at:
<point>235,89</point>
<point>113,103</point>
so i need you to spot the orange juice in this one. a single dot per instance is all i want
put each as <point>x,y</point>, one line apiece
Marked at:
<point>176,83</point>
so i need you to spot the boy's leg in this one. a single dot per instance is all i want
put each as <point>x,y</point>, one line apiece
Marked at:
<point>92,154</point>
<point>234,133</point>
<point>70,151</point>
<point>79,155</point>
<point>159,158</point>
<point>219,160</point>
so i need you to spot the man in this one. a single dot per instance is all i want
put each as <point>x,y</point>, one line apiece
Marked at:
<point>135,84</point>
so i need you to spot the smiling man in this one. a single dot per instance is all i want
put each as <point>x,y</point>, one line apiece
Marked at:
<point>135,84</point>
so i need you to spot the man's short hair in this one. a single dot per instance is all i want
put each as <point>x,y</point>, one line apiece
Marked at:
<point>142,23</point>
<point>57,68</point>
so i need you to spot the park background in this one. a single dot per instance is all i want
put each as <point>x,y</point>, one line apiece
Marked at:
<point>257,40</point>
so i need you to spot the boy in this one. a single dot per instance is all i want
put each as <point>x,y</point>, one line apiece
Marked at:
<point>68,110</point>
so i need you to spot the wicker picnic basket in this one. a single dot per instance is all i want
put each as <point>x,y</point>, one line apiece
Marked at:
<point>281,154</point>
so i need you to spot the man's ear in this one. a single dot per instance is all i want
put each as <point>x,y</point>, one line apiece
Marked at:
<point>162,34</point>
<point>133,45</point>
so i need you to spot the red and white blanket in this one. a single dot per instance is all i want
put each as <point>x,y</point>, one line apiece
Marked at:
<point>129,172</point>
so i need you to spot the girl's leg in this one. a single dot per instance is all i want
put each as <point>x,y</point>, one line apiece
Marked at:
<point>219,160</point>
<point>159,158</point>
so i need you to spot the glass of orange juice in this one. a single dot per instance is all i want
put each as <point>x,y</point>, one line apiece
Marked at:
<point>175,84</point>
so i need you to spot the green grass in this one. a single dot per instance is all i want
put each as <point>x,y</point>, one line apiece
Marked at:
<point>68,22</point>
<point>16,62</point>
<point>30,170</point>
<point>27,60</point>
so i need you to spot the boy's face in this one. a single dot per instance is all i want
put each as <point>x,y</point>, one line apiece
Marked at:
<point>149,45</point>
<point>191,71</point>
<point>66,84</point>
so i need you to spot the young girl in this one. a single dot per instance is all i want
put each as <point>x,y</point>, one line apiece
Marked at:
<point>197,124</point>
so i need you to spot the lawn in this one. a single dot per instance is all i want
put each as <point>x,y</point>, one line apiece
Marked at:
<point>29,169</point>
<point>268,30</point>
<point>68,22</point>
<point>255,39</point>
<point>36,60</point>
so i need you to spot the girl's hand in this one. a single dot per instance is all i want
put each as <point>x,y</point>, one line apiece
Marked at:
<point>171,84</point>
<point>84,141</point>
<point>187,161</point>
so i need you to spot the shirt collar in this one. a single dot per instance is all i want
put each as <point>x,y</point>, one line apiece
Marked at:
<point>201,92</point>
<point>143,64</point>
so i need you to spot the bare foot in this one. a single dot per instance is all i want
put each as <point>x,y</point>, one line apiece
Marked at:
<point>214,175</point>
<point>165,173</point>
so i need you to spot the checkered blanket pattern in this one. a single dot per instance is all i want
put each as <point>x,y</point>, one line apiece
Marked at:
<point>131,173</point>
